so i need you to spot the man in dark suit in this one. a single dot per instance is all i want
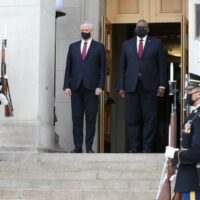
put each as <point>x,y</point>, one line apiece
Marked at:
<point>84,81</point>
<point>142,79</point>
<point>186,158</point>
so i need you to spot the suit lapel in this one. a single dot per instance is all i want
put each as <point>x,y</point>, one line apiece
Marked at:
<point>79,49</point>
<point>90,49</point>
<point>147,45</point>
<point>135,46</point>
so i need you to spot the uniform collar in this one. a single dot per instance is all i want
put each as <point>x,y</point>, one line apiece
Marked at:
<point>196,108</point>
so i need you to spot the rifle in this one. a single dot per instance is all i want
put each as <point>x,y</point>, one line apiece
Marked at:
<point>164,190</point>
<point>5,90</point>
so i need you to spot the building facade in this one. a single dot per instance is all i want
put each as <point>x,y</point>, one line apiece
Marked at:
<point>37,44</point>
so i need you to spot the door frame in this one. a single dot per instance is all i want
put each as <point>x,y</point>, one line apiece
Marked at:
<point>106,39</point>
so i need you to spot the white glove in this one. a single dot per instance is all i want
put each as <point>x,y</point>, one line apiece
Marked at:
<point>173,178</point>
<point>3,99</point>
<point>169,152</point>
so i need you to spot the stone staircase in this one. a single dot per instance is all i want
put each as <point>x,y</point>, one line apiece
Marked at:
<point>62,176</point>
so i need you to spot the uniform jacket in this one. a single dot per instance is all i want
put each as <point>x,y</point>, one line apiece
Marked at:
<point>189,155</point>
<point>151,66</point>
<point>91,70</point>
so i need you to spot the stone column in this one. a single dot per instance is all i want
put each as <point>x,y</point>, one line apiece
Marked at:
<point>30,69</point>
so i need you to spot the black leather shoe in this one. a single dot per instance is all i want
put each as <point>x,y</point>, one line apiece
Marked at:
<point>76,151</point>
<point>133,151</point>
<point>146,151</point>
<point>90,151</point>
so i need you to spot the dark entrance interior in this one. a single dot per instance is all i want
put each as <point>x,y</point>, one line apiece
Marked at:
<point>170,34</point>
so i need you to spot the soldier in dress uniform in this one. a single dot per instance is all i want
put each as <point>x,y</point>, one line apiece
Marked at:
<point>186,158</point>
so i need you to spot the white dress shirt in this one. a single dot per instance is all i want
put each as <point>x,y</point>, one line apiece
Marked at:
<point>88,44</point>
<point>143,41</point>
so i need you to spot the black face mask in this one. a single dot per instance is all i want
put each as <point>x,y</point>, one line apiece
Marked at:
<point>140,32</point>
<point>85,35</point>
<point>189,100</point>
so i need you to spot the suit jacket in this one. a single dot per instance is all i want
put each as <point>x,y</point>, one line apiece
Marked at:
<point>189,155</point>
<point>91,70</point>
<point>151,66</point>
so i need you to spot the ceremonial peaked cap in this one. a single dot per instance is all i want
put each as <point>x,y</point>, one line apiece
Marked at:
<point>193,81</point>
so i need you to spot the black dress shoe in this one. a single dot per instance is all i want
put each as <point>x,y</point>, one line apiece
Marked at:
<point>133,151</point>
<point>76,151</point>
<point>146,151</point>
<point>90,151</point>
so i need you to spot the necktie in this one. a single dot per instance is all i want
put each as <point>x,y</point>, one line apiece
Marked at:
<point>140,48</point>
<point>84,50</point>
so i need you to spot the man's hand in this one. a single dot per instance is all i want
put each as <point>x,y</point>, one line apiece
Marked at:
<point>122,93</point>
<point>98,91</point>
<point>68,91</point>
<point>170,151</point>
<point>161,92</point>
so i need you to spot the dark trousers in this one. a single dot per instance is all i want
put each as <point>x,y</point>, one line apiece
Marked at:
<point>141,118</point>
<point>83,101</point>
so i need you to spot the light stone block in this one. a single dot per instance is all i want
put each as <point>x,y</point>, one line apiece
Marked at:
<point>28,135</point>
<point>72,3</point>
<point>19,58</point>
<point>30,64</point>
<point>46,67</point>
<point>24,136</point>
<point>69,25</point>
<point>60,95</point>
<point>49,6</point>
<point>19,2</point>
<point>61,55</point>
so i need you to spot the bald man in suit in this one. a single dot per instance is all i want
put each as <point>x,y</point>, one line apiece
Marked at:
<point>142,78</point>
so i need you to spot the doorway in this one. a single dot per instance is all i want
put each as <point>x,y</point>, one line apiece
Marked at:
<point>170,34</point>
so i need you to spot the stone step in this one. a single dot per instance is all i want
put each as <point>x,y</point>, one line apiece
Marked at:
<point>67,157</point>
<point>82,167</point>
<point>91,174</point>
<point>79,176</point>
<point>80,161</point>
<point>79,185</point>
<point>120,168</point>
<point>58,194</point>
